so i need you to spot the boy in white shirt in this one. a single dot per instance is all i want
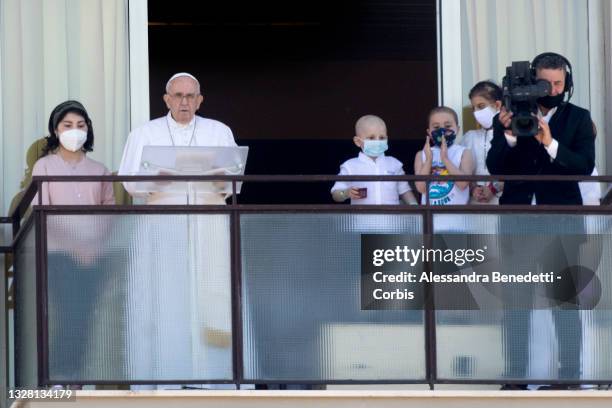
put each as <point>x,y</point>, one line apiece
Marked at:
<point>371,137</point>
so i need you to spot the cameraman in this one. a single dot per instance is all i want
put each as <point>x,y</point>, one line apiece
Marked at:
<point>563,145</point>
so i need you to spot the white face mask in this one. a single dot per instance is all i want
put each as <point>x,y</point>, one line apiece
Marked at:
<point>73,139</point>
<point>485,116</point>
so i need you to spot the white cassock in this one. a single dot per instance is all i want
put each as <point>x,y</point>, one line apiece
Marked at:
<point>179,295</point>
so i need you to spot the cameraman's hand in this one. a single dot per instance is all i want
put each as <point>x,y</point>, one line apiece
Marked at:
<point>544,136</point>
<point>505,118</point>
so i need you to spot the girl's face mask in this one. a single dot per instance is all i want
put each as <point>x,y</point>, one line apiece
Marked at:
<point>485,116</point>
<point>448,133</point>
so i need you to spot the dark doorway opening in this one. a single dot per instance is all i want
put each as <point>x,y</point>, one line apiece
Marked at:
<point>292,77</point>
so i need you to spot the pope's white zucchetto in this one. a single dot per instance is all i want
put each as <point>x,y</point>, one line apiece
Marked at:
<point>179,75</point>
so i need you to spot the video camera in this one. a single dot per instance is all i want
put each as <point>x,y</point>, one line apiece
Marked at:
<point>521,90</point>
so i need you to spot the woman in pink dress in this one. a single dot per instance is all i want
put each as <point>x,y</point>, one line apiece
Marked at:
<point>79,268</point>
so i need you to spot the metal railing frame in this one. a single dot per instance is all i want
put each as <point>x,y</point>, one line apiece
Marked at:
<point>234,209</point>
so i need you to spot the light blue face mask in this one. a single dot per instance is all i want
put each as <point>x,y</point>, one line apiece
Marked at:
<point>375,148</point>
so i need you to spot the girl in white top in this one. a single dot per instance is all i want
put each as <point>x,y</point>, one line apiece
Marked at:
<point>486,100</point>
<point>441,156</point>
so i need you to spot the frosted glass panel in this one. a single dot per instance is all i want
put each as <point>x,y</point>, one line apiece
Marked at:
<point>302,314</point>
<point>530,345</point>
<point>26,347</point>
<point>139,297</point>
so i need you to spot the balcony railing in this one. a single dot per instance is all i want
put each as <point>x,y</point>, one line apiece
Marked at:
<point>267,293</point>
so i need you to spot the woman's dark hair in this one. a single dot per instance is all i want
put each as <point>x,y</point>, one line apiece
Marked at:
<point>488,90</point>
<point>58,114</point>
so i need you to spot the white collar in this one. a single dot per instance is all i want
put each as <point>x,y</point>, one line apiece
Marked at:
<point>175,125</point>
<point>548,115</point>
<point>367,159</point>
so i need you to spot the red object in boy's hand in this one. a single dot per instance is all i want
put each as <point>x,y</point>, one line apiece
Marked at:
<point>363,192</point>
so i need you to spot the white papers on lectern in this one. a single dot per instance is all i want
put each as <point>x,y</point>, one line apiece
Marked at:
<point>192,161</point>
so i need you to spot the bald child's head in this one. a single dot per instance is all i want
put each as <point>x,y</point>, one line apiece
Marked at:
<point>369,127</point>
<point>369,123</point>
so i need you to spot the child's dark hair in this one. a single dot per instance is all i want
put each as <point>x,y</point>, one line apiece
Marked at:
<point>488,90</point>
<point>57,115</point>
<point>443,109</point>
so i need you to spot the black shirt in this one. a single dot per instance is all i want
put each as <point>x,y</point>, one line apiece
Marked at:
<point>572,127</point>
